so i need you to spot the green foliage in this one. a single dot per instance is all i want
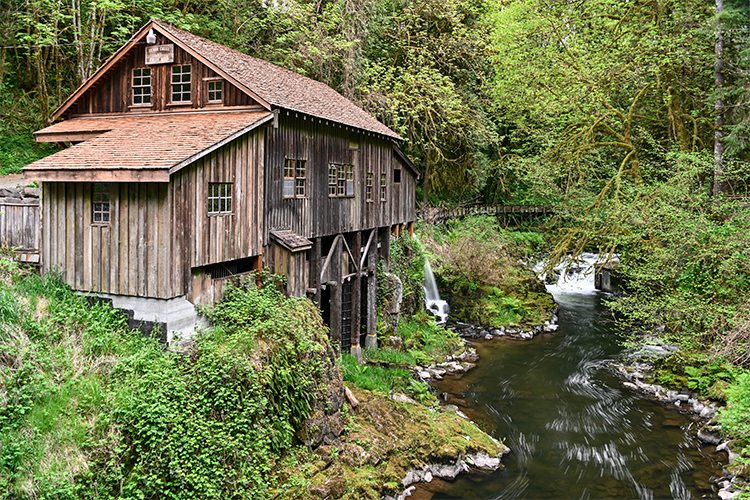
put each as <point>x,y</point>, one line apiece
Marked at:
<point>734,417</point>
<point>91,410</point>
<point>676,250</point>
<point>477,264</point>
<point>426,341</point>
<point>18,150</point>
<point>408,262</point>
<point>374,378</point>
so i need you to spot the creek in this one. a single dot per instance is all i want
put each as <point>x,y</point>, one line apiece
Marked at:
<point>574,430</point>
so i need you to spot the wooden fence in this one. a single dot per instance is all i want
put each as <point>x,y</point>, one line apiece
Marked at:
<point>19,229</point>
<point>442,214</point>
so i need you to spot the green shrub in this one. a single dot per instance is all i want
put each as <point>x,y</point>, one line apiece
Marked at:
<point>92,410</point>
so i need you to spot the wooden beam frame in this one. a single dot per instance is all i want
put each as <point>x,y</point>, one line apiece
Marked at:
<point>97,175</point>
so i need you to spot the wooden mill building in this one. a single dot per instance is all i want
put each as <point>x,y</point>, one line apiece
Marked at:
<point>188,163</point>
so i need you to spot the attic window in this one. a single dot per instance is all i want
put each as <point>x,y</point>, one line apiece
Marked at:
<point>100,203</point>
<point>215,90</point>
<point>181,83</point>
<point>295,178</point>
<point>219,198</point>
<point>141,86</point>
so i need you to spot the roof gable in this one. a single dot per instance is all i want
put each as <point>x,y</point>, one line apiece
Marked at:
<point>270,85</point>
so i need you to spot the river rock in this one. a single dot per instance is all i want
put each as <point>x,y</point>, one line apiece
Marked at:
<point>709,436</point>
<point>482,461</point>
<point>708,412</point>
<point>728,495</point>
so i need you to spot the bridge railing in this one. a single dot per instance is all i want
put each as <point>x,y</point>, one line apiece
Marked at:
<point>438,214</point>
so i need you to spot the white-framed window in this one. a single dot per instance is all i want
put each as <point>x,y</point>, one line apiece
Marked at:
<point>181,75</point>
<point>332,176</point>
<point>383,185</point>
<point>295,178</point>
<point>100,203</point>
<point>368,186</point>
<point>141,86</point>
<point>340,180</point>
<point>215,90</point>
<point>219,198</point>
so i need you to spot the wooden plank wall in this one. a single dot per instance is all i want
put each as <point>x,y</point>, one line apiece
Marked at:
<point>294,266</point>
<point>317,214</point>
<point>113,93</point>
<point>19,226</point>
<point>128,256</point>
<point>201,239</point>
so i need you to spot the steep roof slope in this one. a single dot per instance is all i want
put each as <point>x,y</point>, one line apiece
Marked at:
<point>274,86</point>
<point>278,86</point>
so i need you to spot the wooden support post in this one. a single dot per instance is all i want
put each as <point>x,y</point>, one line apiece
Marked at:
<point>356,349</point>
<point>385,248</point>
<point>316,258</point>
<point>334,281</point>
<point>411,229</point>
<point>372,297</point>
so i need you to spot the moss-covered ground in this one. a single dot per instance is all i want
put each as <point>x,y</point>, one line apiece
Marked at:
<point>383,440</point>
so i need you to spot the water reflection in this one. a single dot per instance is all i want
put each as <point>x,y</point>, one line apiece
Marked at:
<point>574,431</point>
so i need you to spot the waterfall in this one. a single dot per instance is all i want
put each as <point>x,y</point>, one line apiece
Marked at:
<point>572,276</point>
<point>432,300</point>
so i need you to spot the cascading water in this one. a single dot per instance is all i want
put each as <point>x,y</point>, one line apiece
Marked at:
<point>574,430</point>
<point>572,276</point>
<point>432,300</point>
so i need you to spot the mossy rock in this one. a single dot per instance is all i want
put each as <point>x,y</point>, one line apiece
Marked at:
<point>385,439</point>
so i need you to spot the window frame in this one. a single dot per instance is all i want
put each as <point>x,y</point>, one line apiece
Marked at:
<point>383,187</point>
<point>294,184</point>
<point>220,91</point>
<point>101,197</point>
<point>341,180</point>
<point>178,88</point>
<point>369,186</point>
<point>141,86</point>
<point>220,199</point>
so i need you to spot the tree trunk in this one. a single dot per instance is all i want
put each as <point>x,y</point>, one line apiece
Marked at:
<point>719,185</point>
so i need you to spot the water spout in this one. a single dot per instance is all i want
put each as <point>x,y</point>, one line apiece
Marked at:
<point>432,300</point>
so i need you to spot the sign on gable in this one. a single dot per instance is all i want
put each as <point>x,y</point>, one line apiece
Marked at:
<point>160,54</point>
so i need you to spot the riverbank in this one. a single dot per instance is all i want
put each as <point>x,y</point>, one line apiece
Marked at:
<point>573,429</point>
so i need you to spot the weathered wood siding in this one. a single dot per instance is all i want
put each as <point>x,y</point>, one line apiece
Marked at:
<point>114,93</point>
<point>128,256</point>
<point>19,226</point>
<point>403,201</point>
<point>292,265</point>
<point>321,144</point>
<point>201,239</point>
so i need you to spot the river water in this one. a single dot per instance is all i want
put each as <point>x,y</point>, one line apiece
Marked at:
<point>574,431</point>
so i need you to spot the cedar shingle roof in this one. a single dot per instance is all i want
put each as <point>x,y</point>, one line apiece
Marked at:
<point>145,142</point>
<point>278,86</point>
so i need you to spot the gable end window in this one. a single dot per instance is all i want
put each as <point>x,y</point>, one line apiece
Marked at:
<point>396,175</point>
<point>215,90</point>
<point>295,178</point>
<point>382,187</point>
<point>141,86</point>
<point>100,204</point>
<point>219,198</point>
<point>340,180</point>
<point>181,83</point>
